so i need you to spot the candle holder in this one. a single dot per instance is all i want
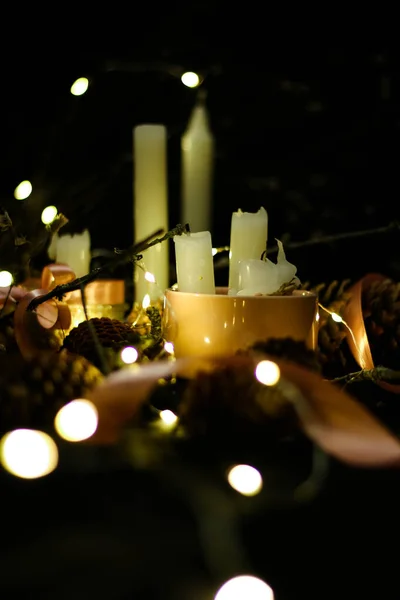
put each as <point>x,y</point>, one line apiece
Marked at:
<point>210,325</point>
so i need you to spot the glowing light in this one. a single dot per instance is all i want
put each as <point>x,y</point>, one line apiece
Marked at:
<point>76,421</point>
<point>149,277</point>
<point>245,586</point>
<point>6,278</point>
<point>168,417</point>
<point>245,479</point>
<point>190,79</point>
<point>317,317</point>
<point>146,301</point>
<point>169,347</point>
<point>49,214</point>
<point>268,372</point>
<point>336,318</point>
<point>23,190</point>
<point>28,453</point>
<point>214,251</point>
<point>129,355</point>
<point>207,340</point>
<point>80,86</point>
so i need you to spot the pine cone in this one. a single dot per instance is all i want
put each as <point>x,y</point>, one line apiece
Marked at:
<point>287,349</point>
<point>31,392</point>
<point>112,334</point>
<point>333,352</point>
<point>381,310</point>
<point>229,402</point>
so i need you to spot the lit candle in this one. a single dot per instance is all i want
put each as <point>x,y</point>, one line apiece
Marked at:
<point>249,233</point>
<point>74,251</point>
<point>150,205</point>
<point>197,147</point>
<point>194,263</point>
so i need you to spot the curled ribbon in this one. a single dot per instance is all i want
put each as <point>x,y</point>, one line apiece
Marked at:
<point>29,326</point>
<point>357,336</point>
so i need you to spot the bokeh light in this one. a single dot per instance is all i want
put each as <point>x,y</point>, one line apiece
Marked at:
<point>245,586</point>
<point>28,453</point>
<point>49,214</point>
<point>268,372</point>
<point>190,79</point>
<point>80,86</point>
<point>245,479</point>
<point>23,190</point>
<point>77,420</point>
<point>129,355</point>
<point>6,278</point>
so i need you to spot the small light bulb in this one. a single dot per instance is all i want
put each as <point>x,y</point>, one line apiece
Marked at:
<point>6,278</point>
<point>169,347</point>
<point>49,214</point>
<point>80,86</point>
<point>129,355</point>
<point>23,190</point>
<point>76,421</point>
<point>214,251</point>
<point>146,301</point>
<point>190,79</point>
<point>168,417</point>
<point>336,318</point>
<point>268,372</point>
<point>149,277</point>
<point>245,479</point>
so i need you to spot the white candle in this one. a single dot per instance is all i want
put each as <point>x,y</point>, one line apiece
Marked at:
<point>150,205</point>
<point>194,263</point>
<point>197,152</point>
<point>74,251</point>
<point>249,233</point>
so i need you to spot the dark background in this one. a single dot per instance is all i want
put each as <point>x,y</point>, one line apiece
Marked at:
<point>309,132</point>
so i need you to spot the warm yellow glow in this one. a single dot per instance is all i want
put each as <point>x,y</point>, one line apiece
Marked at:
<point>168,417</point>
<point>77,420</point>
<point>129,355</point>
<point>190,79</point>
<point>207,340</point>
<point>28,453</point>
<point>6,278</point>
<point>80,86</point>
<point>149,277</point>
<point>146,301</point>
<point>245,479</point>
<point>336,317</point>
<point>169,347</point>
<point>268,372</point>
<point>245,586</point>
<point>317,317</point>
<point>49,214</point>
<point>23,190</point>
<point>214,251</point>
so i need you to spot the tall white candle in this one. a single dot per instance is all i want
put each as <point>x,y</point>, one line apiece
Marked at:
<point>194,263</point>
<point>197,152</point>
<point>150,186</point>
<point>74,250</point>
<point>249,233</point>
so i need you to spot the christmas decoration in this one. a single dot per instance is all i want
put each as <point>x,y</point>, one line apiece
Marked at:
<point>32,391</point>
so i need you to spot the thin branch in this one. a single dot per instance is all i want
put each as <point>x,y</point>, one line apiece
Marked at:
<point>121,257</point>
<point>319,241</point>
<point>374,375</point>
